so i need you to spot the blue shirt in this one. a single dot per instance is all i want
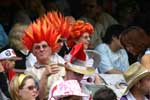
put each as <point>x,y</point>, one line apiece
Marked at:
<point>112,60</point>
<point>3,37</point>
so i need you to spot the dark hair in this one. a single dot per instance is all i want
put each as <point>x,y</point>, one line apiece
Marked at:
<point>98,2</point>
<point>69,97</point>
<point>112,31</point>
<point>104,93</point>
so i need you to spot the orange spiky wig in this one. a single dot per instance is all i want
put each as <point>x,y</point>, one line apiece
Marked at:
<point>77,30</point>
<point>41,30</point>
<point>60,22</point>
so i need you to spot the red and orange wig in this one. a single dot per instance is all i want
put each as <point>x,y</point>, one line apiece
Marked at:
<point>60,22</point>
<point>77,30</point>
<point>41,30</point>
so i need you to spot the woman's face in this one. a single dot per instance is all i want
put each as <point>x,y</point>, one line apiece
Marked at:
<point>85,38</point>
<point>29,90</point>
<point>130,49</point>
<point>145,85</point>
<point>74,76</point>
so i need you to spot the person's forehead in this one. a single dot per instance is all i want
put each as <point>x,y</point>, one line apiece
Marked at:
<point>29,81</point>
<point>85,34</point>
<point>40,43</point>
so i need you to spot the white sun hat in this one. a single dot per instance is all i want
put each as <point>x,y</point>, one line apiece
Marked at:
<point>9,54</point>
<point>68,88</point>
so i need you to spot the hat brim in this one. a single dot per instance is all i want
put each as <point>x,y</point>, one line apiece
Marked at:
<point>62,96</point>
<point>12,58</point>
<point>95,56</point>
<point>81,70</point>
<point>135,80</point>
<point>15,58</point>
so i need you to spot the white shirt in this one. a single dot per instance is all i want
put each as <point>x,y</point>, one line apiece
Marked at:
<point>131,97</point>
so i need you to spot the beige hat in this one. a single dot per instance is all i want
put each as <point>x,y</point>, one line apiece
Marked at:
<point>135,73</point>
<point>77,62</point>
<point>81,69</point>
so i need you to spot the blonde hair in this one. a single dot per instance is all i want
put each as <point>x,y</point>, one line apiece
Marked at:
<point>14,89</point>
<point>17,83</point>
<point>15,36</point>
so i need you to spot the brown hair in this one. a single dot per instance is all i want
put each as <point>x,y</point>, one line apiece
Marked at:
<point>136,37</point>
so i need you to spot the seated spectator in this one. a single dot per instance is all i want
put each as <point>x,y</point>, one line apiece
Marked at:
<point>15,41</point>
<point>76,68</point>
<point>104,93</point>
<point>68,90</point>
<point>34,8</point>
<point>93,12</point>
<point>81,32</point>
<point>42,40</point>
<point>127,11</point>
<point>24,87</point>
<point>7,63</point>
<point>137,42</point>
<point>3,37</point>
<point>21,17</point>
<point>57,5</point>
<point>138,79</point>
<point>114,59</point>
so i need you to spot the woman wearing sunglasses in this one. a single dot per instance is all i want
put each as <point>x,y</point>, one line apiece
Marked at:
<point>24,87</point>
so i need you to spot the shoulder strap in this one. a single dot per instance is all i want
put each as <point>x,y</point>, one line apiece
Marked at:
<point>123,98</point>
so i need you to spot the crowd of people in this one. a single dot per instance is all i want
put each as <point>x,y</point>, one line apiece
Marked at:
<point>50,54</point>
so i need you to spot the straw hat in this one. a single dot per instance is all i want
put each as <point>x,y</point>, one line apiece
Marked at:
<point>67,88</point>
<point>92,54</point>
<point>76,60</point>
<point>135,73</point>
<point>9,54</point>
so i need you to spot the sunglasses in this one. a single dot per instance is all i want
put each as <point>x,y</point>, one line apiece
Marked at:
<point>61,40</point>
<point>37,47</point>
<point>32,87</point>
<point>86,37</point>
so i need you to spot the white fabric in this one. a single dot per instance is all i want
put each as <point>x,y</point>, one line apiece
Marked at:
<point>7,54</point>
<point>147,51</point>
<point>131,97</point>
<point>67,88</point>
<point>30,60</point>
